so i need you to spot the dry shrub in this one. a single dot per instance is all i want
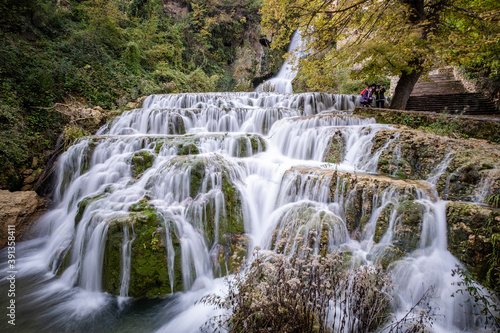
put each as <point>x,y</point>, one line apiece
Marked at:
<point>303,293</point>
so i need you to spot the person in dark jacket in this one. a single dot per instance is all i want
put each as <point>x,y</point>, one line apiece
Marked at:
<point>379,95</point>
<point>366,97</point>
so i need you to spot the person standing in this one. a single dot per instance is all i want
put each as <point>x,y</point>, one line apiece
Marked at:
<point>379,95</point>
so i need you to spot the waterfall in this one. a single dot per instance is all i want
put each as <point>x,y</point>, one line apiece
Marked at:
<point>163,201</point>
<point>282,82</point>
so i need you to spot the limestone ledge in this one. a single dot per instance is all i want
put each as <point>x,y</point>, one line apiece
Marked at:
<point>470,168</point>
<point>473,230</point>
<point>360,196</point>
<point>472,126</point>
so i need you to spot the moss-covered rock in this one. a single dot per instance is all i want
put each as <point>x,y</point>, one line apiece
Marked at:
<point>85,202</point>
<point>149,271</point>
<point>373,206</point>
<point>216,206</point>
<point>470,177</point>
<point>388,255</point>
<point>232,254</point>
<point>335,149</point>
<point>474,238</point>
<point>358,206</point>
<point>140,162</point>
<point>407,224</point>
<point>308,225</point>
<point>257,142</point>
<point>462,169</point>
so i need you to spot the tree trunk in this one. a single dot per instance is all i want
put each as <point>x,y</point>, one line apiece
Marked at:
<point>404,88</point>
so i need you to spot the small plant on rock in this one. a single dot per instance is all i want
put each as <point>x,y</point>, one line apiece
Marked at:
<point>493,200</point>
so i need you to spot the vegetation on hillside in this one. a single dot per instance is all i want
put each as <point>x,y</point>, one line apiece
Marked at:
<point>405,38</point>
<point>108,53</point>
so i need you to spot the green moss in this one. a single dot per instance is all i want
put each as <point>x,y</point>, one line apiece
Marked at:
<point>258,143</point>
<point>408,229</point>
<point>234,220</point>
<point>112,268</point>
<point>87,156</point>
<point>390,254</point>
<point>473,237</point>
<point>197,173</point>
<point>335,149</point>
<point>158,146</point>
<point>187,149</point>
<point>242,144</point>
<point>383,222</point>
<point>83,204</point>
<point>149,276</point>
<point>230,219</point>
<point>452,125</point>
<point>140,162</point>
<point>401,174</point>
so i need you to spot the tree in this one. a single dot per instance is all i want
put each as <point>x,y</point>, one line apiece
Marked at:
<point>398,37</point>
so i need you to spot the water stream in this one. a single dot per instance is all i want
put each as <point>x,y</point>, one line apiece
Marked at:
<point>179,174</point>
<point>282,82</point>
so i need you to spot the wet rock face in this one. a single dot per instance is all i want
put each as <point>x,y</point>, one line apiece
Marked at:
<point>336,149</point>
<point>212,207</point>
<point>472,176</point>
<point>365,193</point>
<point>155,259</point>
<point>409,154</point>
<point>370,207</point>
<point>407,217</point>
<point>141,161</point>
<point>18,209</point>
<point>149,272</point>
<point>474,238</point>
<point>468,167</point>
<point>231,253</point>
<point>255,60</point>
<point>310,226</point>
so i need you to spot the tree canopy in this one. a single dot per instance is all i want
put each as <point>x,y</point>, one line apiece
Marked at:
<point>396,37</point>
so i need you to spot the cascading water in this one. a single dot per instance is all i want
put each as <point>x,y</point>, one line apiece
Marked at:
<point>154,204</point>
<point>282,82</point>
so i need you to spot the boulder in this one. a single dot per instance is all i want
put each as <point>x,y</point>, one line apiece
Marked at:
<point>150,274</point>
<point>18,209</point>
<point>308,225</point>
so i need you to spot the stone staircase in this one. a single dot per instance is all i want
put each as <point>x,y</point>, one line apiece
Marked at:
<point>443,93</point>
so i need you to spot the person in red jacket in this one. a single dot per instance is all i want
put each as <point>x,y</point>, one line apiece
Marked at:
<point>366,96</point>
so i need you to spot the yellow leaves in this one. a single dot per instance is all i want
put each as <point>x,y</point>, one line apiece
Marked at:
<point>384,35</point>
